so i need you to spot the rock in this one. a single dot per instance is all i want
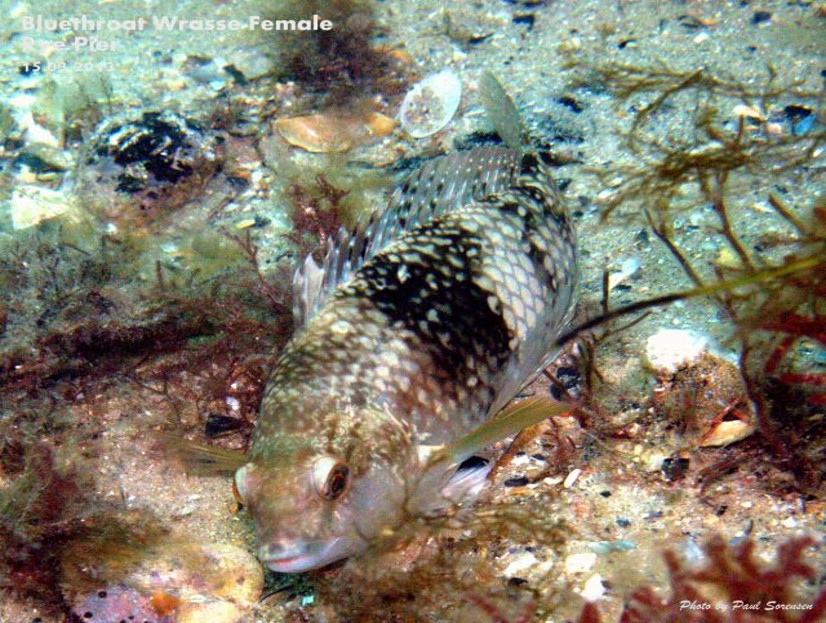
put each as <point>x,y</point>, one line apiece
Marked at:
<point>168,581</point>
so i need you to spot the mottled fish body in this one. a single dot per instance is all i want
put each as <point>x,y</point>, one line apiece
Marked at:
<point>417,329</point>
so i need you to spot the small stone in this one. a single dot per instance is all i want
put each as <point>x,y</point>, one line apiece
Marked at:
<point>580,563</point>
<point>380,125</point>
<point>245,224</point>
<point>571,478</point>
<point>249,62</point>
<point>593,589</point>
<point>760,17</point>
<point>520,481</point>
<point>519,563</point>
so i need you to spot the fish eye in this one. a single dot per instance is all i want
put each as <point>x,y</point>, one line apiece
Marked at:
<point>330,478</point>
<point>239,489</point>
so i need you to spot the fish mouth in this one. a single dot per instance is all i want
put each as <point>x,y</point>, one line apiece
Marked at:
<point>300,557</point>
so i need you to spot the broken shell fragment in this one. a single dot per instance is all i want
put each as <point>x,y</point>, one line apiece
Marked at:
<point>380,125</point>
<point>323,134</point>
<point>430,105</point>
<point>726,433</point>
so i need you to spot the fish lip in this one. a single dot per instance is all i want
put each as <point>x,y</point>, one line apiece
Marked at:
<point>301,557</point>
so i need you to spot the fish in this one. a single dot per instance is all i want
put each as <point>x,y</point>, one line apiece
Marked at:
<point>415,332</point>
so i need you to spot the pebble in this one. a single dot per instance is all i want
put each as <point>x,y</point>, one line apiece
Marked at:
<point>250,62</point>
<point>593,589</point>
<point>430,104</point>
<point>519,563</point>
<point>606,547</point>
<point>570,479</point>
<point>760,17</point>
<point>580,563</point>
<point>520,481</point>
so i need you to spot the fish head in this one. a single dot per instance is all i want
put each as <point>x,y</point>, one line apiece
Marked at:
<point>315,503</point>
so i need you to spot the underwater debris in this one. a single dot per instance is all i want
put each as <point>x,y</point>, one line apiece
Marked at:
<point>430,105</point>
<point>142,166</point>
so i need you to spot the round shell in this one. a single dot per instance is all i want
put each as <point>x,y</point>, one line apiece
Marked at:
<point>430,105</point>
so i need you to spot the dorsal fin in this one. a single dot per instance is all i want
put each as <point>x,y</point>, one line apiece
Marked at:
<point>440,186</point>
<point>502,113</point>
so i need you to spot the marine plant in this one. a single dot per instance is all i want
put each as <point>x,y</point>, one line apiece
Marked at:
<point>769,288</point>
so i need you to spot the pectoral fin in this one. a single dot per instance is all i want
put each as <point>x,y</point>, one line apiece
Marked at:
<point>509,421</point>
<point>200,459</point>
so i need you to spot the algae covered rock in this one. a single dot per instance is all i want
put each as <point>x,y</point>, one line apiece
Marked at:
<point>140,167</point>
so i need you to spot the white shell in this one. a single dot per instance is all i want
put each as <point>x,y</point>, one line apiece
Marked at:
<point>430,104</point>
<point>668,350</point>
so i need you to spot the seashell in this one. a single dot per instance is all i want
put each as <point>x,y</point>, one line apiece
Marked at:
<point>430,105</point>
<point>726,433</point>
<point>324,134</point>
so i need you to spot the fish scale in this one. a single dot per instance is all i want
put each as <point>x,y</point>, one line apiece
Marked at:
<point>417,328</point>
